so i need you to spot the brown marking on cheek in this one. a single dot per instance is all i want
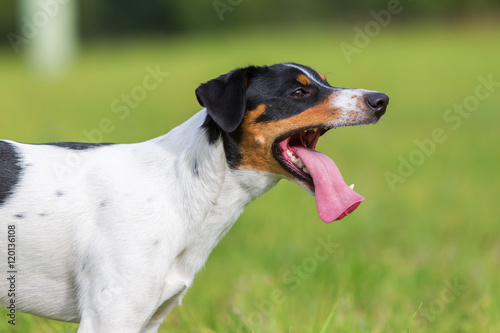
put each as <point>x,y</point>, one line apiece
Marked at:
<point>256,144</point>
<point>258,138</point>
<point>254,114</point>
<point>302,79</point>
<point>322,76</point>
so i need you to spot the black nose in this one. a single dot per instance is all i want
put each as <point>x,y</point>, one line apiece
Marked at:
<point>378,103</point>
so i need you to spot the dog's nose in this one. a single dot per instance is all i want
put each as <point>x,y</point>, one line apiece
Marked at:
<point>378,103</point>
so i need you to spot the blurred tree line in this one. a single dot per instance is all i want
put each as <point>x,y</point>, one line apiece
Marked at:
<point>99,18</point>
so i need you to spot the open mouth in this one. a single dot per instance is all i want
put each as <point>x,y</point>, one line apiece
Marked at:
<point>295,151</point>
<point>284,152</point>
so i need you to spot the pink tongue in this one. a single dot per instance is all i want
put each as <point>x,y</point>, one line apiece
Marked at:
<point>334,199</point>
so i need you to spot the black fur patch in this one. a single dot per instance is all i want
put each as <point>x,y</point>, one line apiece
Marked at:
<point>77,145</point>
<point>231,141</point>
<point>212,129</point>
<point>225,99</point>
<point>10,170</point>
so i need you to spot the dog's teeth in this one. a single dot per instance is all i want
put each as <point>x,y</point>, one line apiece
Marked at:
<point>297,161</point>
<point>351,186</point>
<point>289,153</point>
<point>305,170</point>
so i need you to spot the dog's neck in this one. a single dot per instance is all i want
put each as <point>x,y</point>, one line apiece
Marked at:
<point>212,194</point>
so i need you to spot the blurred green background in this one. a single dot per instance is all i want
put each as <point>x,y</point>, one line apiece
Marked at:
<point>421,254</point>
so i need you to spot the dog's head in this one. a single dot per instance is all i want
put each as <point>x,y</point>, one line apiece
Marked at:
<point>270,119</point>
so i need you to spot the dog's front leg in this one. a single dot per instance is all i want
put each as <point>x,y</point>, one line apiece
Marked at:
<point>118,298</point>
<point>174,294</point>
<point>127,312</point>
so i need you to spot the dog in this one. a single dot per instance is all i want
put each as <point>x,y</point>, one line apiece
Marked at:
<point>111,235</point>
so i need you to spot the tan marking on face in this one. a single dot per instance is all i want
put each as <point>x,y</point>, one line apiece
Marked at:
<point>302,79</point>
<point>258,138</point>
<point>256,143</point>
<point>322,76</point>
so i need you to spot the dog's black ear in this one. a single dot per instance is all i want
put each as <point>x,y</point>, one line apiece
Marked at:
<point>225,98</point>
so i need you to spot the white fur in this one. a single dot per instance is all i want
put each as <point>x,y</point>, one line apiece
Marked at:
<point>353,106</point>
<point>112,237</point>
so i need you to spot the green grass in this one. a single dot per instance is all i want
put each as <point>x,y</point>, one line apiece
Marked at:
<point>395,256</point>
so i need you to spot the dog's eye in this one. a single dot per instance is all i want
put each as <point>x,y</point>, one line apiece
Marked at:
<point>299,93</point>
